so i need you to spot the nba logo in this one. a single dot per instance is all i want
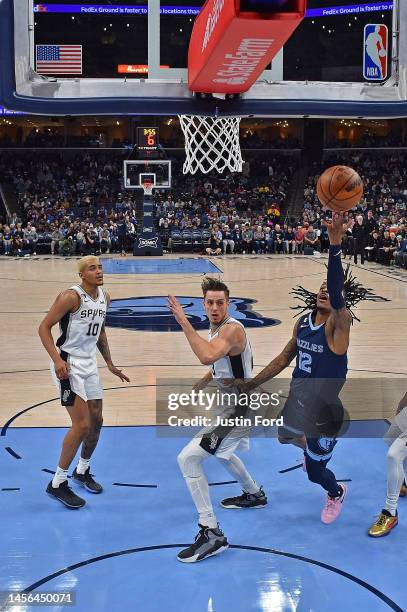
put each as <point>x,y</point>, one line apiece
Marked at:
<point>375,52</point>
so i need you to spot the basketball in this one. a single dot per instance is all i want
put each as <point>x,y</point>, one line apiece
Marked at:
<point>340,188</point>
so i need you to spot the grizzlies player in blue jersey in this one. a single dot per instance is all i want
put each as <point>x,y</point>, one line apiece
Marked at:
<point>313,413</point>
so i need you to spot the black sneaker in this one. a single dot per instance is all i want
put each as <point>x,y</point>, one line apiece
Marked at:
<point>246,500</point>
<point>207,543</point>
<point>86,480</point>
<point>65,495</point>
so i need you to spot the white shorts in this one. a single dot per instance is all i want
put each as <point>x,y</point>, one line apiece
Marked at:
<point>223,447</point>
<point>83,381</point>
<point>222,441</point>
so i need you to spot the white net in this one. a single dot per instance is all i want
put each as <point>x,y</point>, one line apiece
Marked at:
<point>148,187</point>
<point>211,143</point>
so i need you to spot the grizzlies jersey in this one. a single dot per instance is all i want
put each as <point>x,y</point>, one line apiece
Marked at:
<point>318,378</point>
<point>80,330</point>
<point>237,366</point>
<point>314,357</point>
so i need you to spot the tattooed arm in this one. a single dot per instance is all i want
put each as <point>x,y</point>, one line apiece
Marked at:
<point>275,366</point>
<point>103,347</point>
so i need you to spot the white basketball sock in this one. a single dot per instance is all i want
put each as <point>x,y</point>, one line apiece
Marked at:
<point>237,469</point>
<point>396,456</point>
<point>190,463</point>
<point>199,489</point>
<point>60,477</point>
<point>83,465</point>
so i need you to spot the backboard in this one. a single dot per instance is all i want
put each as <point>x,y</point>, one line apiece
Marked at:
<point>137,172</point>
<point>133,60</point>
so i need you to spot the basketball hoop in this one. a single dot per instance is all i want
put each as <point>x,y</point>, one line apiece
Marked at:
<point>148,187</point>
<point>211,143</point>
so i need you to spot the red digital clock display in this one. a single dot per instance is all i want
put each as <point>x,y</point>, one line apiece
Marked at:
<point>147,138</point>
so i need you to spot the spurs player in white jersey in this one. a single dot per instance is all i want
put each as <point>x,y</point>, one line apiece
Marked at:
<point>80,312</point>
<point>229,354</point>
<point>396,438</point>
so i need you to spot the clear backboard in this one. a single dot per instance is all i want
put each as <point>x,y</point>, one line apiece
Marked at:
<point>345,58</point>
<point>138,173</point>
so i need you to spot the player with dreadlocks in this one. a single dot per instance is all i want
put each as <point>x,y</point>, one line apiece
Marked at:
<point>313,413</point>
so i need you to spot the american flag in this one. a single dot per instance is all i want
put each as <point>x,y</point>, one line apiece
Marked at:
<point>59,59</point>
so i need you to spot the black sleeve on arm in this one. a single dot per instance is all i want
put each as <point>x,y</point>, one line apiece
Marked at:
<point>335,278</point>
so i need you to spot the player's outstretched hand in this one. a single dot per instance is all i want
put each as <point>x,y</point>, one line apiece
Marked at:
<point>337,227</point>
<point>176,308</point>
<point>118,373</point>
<point>61,369</point>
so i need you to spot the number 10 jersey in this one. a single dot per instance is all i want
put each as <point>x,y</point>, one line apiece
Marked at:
<point>80,330</point>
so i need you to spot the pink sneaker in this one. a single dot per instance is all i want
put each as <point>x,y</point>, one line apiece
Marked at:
<point>333,507</point>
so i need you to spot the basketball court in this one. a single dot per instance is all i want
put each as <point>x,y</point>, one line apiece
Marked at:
<point>119,551</point>
<point>125,541</point>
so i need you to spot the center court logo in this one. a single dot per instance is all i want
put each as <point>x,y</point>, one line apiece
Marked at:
<point>151,313</point>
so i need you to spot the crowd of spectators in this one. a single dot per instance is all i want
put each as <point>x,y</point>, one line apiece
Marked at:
<point>71,204</point>
<point>379,223</point>
<point>76,204</point>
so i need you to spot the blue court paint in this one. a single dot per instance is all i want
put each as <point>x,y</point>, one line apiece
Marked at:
<point>121,546</point>
<point>159,266</point>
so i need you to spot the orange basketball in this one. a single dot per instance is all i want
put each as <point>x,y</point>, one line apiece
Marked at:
<point>340,188</point>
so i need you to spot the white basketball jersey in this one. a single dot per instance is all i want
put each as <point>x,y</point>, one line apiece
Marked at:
<point>80,330</point>
<point>236,366</point>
